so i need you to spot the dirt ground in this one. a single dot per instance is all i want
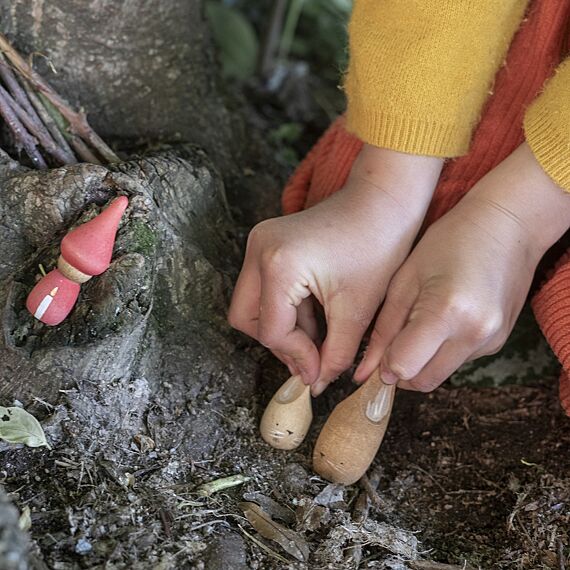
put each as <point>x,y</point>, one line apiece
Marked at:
<point>473,477</point>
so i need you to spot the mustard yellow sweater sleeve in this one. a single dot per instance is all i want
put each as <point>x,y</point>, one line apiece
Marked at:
<point>547,127</point>
<point>421,70</point>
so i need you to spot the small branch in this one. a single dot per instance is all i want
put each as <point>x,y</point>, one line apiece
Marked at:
<point>77,121</point>
<point>370,486</point>
<point>23,138</point>
<point>15,88</point>
<point>24,98</point>
<point>35,128</point>
<point>48,121</point>
<point>561,564</point>
<point>82,150</point>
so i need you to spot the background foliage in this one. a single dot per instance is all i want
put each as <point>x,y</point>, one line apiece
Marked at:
<point>288,57</point>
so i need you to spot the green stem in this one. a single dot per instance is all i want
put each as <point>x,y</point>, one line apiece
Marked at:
<point>293,15</point>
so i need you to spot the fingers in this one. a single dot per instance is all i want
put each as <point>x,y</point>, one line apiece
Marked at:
<point>450,356</point>
<point>244,307</point>
<point>277,325</point>
<point>414,346</point>
<point>345,329</point>
<point>392,318</point>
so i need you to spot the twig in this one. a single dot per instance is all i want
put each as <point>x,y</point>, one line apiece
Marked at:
<point>263,546</point>
<point>47,119</point>
<point>370,486</point>
<point>28,142</point>
<point>36,129</point>
<point>82,150</point>
<point>561,564</point>
<point>431,565</point>
<point>15,88</point>
<point>77,121</point>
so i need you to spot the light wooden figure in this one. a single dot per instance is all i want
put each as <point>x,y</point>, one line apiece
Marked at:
<point>353,432</point>
<point>288,415</point>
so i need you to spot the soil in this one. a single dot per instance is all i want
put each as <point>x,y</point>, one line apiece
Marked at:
<point>477,475</point>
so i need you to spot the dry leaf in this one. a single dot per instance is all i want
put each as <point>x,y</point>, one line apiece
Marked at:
<point>270,506</point>
<point>19,426</point>
<point>25,522</point>
<point>289,540</point>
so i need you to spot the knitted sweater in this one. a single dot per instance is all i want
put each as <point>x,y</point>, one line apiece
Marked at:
<point>421,70</point>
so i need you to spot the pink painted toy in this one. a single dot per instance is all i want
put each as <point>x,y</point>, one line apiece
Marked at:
<point>85,251</point>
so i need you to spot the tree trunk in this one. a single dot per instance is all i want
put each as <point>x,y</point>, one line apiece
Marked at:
<point>146,351</point>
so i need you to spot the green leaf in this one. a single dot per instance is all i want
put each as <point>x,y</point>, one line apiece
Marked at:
<point>19,426</point>
<point>236,40</point>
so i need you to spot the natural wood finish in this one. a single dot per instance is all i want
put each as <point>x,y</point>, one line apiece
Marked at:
<point>353,433</point>
<point>288,415</point>
<point>70,272</point>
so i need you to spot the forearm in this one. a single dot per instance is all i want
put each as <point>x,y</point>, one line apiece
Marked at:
<point>520,194</point>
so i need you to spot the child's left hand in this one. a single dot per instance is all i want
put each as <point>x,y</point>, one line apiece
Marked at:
<point>459,293</point>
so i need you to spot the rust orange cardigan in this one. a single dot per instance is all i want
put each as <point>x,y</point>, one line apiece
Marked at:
<point>536,50</point>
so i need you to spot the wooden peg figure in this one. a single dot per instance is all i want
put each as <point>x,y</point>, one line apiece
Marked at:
<point>353,432</point>
<point>85,251</point>
<point>288,415</point>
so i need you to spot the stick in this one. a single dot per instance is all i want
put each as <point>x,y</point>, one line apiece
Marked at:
<point>353,433</point>
<point>82,150</point>
<point>24,99</point>
<point>35,128</point>
<point>15,88</point>
<point>77,121</point>
<point>23,138</point>
<point>47,119</point>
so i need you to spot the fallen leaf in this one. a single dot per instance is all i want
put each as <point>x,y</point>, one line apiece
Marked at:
<point>19,426</point>
<point>212,487</point>
<point>311,516</point>
<point>290,541</point>
<point>25,522</point>
<point>270,506</point>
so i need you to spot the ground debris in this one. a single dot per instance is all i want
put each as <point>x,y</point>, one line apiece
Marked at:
<point>218,485</point>
<point>371,533</point>
<point>292,542</point>
<point>271,507</point>
<point>332,496</point>
<point>430,565</point>
<point>310,516</point>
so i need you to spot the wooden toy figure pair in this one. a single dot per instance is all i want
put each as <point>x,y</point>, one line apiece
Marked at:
<point>349,439</point>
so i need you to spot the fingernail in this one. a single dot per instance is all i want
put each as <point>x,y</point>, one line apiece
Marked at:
<point>357,376</point>
<point>318,388</point>
<point>387,376</point>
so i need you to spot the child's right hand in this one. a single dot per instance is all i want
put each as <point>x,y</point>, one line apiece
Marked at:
<point>343,252</point>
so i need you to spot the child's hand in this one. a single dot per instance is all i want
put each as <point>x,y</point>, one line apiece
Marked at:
<point>459,293</point>
<point>343,252</point>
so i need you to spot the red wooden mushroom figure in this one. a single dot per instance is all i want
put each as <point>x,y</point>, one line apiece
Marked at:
<point>85,251</point>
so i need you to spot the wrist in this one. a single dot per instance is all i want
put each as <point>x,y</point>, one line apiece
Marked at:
<point>527,197</point>
<point>407,179</point>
